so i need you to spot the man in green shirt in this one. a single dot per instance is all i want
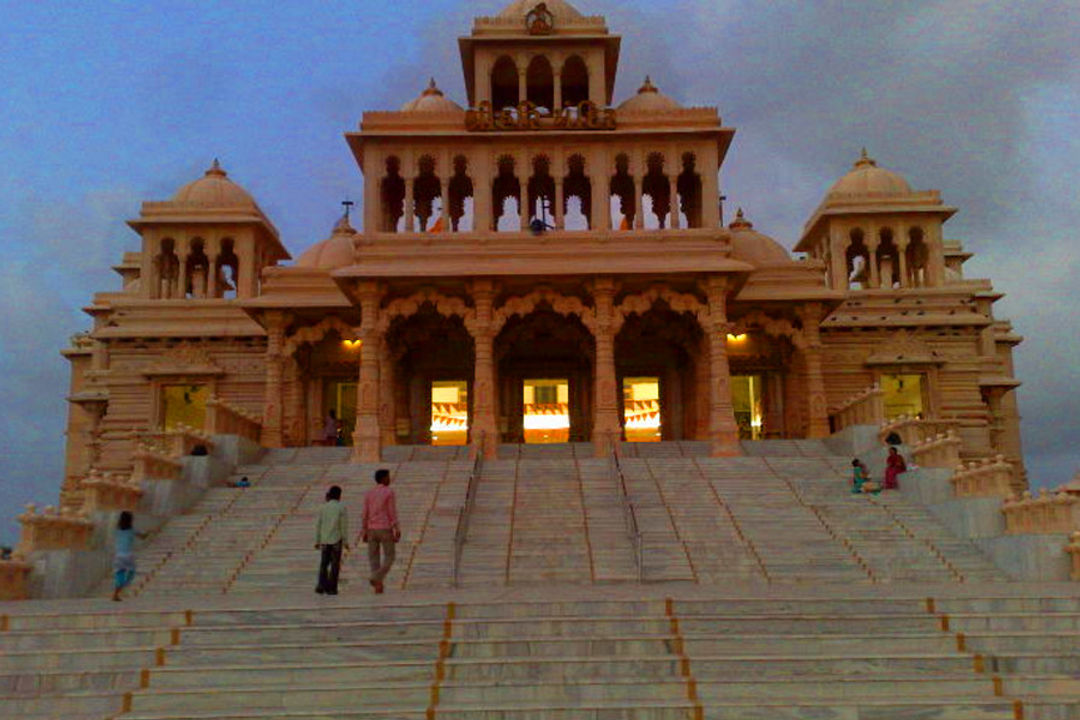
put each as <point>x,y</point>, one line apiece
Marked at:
<point>331,534</point>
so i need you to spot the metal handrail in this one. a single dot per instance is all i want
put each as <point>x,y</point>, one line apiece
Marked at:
<point>629,513</point>
<point>465,512</point>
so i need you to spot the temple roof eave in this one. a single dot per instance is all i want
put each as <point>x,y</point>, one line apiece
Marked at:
<point>211,217</point>
<point>877,207</point>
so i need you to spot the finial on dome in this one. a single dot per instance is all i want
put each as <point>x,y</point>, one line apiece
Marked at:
<point>343,226</point>
<point>741,223</point>
<point>865,160</point>
<point>648,86</point>
<point>433,89</point>
<point>215,169</point>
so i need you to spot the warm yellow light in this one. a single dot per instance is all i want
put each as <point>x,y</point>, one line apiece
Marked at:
<point>351,344</point>
<point>736,338</point>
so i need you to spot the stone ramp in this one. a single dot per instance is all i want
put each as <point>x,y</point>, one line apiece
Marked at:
<point>709,653</point>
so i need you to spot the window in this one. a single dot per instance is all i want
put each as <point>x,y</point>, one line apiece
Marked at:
<point>184,405</point>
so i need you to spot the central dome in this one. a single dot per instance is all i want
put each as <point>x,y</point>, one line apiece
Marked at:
<point>561,9</point>
<point>649,99</point>
<point>214,190</point>
<point>866,178</point>
<point>431,100</point>
<point>753,247</point>
<point>334,252</point>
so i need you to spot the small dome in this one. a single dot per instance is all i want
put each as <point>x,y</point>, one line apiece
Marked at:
<point>866,178</point>
<point>560,9</point>
<point>649,99</point>
<point>215,190</point>
<point>334,252</point>
<point>754,248</point>
<point>431,100</point>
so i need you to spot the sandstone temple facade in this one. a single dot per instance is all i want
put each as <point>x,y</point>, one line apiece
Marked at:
<point>541,262</point>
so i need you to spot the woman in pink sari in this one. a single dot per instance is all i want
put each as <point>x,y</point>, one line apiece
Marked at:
<point>894,465</point>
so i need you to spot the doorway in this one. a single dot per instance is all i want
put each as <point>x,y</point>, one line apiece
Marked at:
<point>903,395</point>
<point>746,398</point>
<point>641,409</point>
<point>184,405</point>
<point>340,396</point>
<point>450,412</point>
<point>546,417</point>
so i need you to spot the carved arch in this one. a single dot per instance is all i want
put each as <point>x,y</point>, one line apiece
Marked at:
<point>406,307</point>
<point>642,303</point>
<point>314,333</point>
<point>565,305</point>
<point>773,327</point>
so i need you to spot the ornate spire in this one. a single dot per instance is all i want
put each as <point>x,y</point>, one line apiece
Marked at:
<point>741,223</point>
<point>865,160</point>
<point>648,87</point>
<point>216,170</point>
<point>432,89</point>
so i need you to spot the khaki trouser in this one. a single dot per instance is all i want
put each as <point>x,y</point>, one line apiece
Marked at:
<point>380,539</point>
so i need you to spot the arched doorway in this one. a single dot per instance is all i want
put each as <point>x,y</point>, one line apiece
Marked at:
<point>658,366</point>
<point>431,362</point>
<point>545,371</point>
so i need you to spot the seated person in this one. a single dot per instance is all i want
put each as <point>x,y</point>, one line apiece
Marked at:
<point>860,479</point>
<point>894,466</point>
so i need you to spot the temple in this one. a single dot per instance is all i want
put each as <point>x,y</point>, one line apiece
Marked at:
<point>541,263</point>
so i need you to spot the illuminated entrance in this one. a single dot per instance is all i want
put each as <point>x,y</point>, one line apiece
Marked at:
<point>450,412</point>
<point>547,411</point>
<point>184,405</point>
<point>641,409</point>
<point>340,396</point>
<point>746,398</point>
<point>903,395</point>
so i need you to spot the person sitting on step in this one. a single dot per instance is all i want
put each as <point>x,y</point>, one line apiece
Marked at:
<point>860,479</point>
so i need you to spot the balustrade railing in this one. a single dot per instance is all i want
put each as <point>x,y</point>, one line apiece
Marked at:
<point>629,514</point>
<point>864,408</point>
<point>110,492</point>
<point>465,513</point>
<point>1048,512</point>
<point>991,477</point>
<point>53,529</point>
<point>151,463</point>
<point>939,451</point>
<point>224,418</point>
<point>912,430</point>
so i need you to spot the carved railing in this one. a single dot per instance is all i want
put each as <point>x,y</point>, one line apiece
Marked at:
<point>865,408</point>
<point>177,442</point>
<point>1048,512</point>
<point>461,531</point>
<point>15,578</point>
<point>224,418</point>
<point>110,492</point>
<point>915,430</point>
<point>53,529</point>
<point>629,513</point>
<point>986,478</point>
<point>940,451</point>
<point>1073,549</point>
<point>153,464</point>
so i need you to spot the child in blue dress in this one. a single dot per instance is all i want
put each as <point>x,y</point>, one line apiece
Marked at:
<point>124,557</point>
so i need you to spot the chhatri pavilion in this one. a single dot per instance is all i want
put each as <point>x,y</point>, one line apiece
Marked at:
<point>541,262</point>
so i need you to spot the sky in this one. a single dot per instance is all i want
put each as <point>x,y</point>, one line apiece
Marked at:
<point>105,105</point>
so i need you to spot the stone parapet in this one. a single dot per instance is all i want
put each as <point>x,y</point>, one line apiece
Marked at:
<point>913,431</point>
<point>15,579</point>
<point>53,529</point>
<point>224,418</point>
<point>178,442</point>
<point>1073,548</point>
<point>152,464</point>
<point>110,492</point>
<point>939,451</point>
<point>864,408</point>
<point>986,478</point>
<point>1049,512</point>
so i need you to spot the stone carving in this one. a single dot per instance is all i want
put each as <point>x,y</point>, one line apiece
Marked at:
<point>644,302</point>
<point>185,359</point>
<point>314,333</point>
<point>406,307</point>
<point>585,115</point>
<point>906,348</point>
<point>565,305</point>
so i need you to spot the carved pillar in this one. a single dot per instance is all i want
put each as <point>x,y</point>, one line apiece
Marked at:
<point>524,211</point>
<point>213,251</point>
<point>702,393</point>
<point>183,247</point>
<point>674,222</point>
<point>872,245</point>
<point>560,203</point>
<point>557,71</point>
<point>387,410</point>
<point>639,210</point>
<point>273,395</point>
<point>523,85</point>
<point>601,205</point>
<point>723,430</point>
<point>410,205</point>
<point>818,425</point>
<point>901,252</point>
<point>484,427</point>
<point>366,437</point>
<point>607,430</point>
<point>445,210</point>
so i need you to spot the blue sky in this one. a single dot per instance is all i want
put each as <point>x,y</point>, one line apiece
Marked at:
<point>108,104</point>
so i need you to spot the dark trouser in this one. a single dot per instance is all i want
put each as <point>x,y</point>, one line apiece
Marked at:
<point>380,566</point>
<point>329,567</point>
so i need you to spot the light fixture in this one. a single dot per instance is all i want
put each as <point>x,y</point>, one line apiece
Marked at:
<point>736,338</point>
<point>351,344</point>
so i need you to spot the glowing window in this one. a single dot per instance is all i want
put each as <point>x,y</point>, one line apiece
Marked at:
<point>184,405</point>
<point>547,411</point>
<point>746,399</point>
<point>903,395</point>
<point>641,409</point>
<point>450,412</point>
